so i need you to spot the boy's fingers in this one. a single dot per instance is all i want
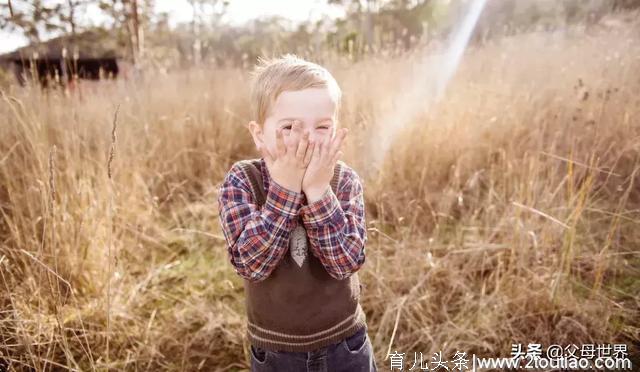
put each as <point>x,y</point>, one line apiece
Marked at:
<point>336,157</point>
<point>296,129</point>
<point>310,151</point>
<point>303,146</point>
<point>318,148</point>
<point>326,147</point>
<point>337,141</point>
<point>319,145</point>
<point>281,148</point>
<point>293,139</point>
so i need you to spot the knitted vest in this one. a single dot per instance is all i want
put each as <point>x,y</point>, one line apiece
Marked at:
<point>299,308</point>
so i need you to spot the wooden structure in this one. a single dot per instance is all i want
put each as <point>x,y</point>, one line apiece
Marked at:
<point>64,59</point>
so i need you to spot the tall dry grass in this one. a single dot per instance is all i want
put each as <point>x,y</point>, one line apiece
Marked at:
<point>508,213</point>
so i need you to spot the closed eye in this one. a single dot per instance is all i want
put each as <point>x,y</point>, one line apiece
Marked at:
<point>288,125</point>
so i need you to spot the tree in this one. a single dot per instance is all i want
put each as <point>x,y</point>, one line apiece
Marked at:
<point>32,18</point>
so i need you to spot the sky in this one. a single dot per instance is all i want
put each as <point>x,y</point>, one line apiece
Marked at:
<point>238,12</point>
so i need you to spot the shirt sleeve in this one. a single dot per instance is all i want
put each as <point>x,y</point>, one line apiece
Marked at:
<point>257,238</point>
<point>336,228</point>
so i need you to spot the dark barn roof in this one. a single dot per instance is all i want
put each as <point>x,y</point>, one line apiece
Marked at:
<point>95,44</point>
<point>89,55</point>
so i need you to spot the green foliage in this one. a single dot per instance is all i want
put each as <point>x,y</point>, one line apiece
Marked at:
<point>368,26</point>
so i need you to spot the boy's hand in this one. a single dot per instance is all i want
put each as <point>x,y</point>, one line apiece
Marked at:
<point>287,165</point>
<point>321,167</point>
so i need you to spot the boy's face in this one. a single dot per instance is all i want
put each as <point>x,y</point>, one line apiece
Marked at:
<point>313,108</point>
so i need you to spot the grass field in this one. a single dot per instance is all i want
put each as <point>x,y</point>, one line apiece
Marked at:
<point>507,213</point>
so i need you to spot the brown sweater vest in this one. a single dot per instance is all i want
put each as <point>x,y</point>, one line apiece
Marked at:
<point>299,309</point>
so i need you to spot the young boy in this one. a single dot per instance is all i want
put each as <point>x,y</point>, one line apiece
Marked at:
<point>295,228</point>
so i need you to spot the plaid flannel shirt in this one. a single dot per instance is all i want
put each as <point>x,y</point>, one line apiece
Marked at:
<point>258,238</point>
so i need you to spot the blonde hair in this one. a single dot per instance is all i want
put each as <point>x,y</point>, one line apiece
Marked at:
<point>272,76</point>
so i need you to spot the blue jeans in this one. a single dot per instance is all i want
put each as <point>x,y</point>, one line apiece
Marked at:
<point>353,354</point>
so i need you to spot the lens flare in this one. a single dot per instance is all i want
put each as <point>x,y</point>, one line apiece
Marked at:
<point>425,88</point>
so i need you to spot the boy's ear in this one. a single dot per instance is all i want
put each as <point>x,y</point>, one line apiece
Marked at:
<point>256,134</point>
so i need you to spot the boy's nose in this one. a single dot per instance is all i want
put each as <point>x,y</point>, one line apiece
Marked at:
<point>295,137</point>
<point>318,137</point>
